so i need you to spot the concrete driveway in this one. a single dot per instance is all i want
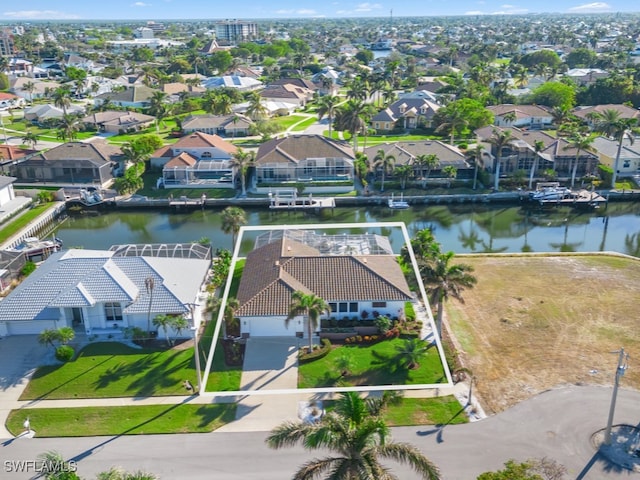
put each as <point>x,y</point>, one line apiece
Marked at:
<point>269,371</point>
<point>20,355</point>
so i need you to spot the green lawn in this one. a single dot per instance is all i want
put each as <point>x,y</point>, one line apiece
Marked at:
<point>376,364</point>
<point>150,177</point>
<point>14,226</point>
<point>425,411</point>
<point>111,369</point>
<point>129,420</point>
<point>303,125</point>
<point>221,377</point>
<point>287,121</point>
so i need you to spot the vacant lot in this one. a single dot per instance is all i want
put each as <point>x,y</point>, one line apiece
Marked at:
<point>534,323</point>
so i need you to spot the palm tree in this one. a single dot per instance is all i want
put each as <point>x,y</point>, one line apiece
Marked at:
<point>230,320</point>
<point>68,127</point>
<point>450,173</point>
<point>30,139</point>
<point>232,219</point>
<point>179,323</point>
<point>425,163</point>
<point>538,146</point>
<point>48,336</point>
<point>452,122</point>
<point>158,107</point>
<point>241,161</point>
<point>62,99</point>
<point>384,162</point>
<point>327,107</point>
<point>443,280</point>
<point>581,142</point>
<point>52,465</point>
<point>411,351</point>
<point>357,439</point>
<point>499,139</point>
<point>164,322</point>
<point>612,125</point>
<point>66,335</point>
<point>29,87</point>
<point>256,109</point>
<point>403,173</point>
<point>353,117</point>
<point>310,305</point>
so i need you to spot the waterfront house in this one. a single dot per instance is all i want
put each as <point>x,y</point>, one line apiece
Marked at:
<point>313,160</point>
<point>118,122</point>
<point>357,275</point>
<point>406,113</point>
<point>97,291</point>
<point>521,116</point>
<point>629,161</point>
<point>197,160</point>
<point>72,163</point>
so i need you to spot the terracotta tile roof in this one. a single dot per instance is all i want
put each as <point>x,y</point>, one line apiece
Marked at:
<point>12,152</point>
<point>199,139</point>
<point>521,111</point>
<point>294,148</point>
<point>182,160</point>
<point>269,278</point>
<point>623,110</point>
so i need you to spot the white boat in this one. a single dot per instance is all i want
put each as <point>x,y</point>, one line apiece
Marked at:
<point>398,204</point>
<point>550,194</point>
<point>34,247</point>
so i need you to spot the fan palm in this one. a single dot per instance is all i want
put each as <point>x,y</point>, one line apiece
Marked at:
<point>614,126</point>
<point>357,440</point>
<point>425,163</point>
<point>310,305</point>
<point>327,107</point>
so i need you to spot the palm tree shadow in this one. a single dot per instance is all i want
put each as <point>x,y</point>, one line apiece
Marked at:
<point>439,428</point>
<point>391,368</point>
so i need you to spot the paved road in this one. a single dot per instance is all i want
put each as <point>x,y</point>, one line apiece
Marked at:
<point>557,424</point>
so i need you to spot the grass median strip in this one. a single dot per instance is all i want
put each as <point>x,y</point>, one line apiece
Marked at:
<point>125,420</point>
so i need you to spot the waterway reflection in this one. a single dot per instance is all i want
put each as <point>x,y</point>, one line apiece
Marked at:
<point>461,228</point>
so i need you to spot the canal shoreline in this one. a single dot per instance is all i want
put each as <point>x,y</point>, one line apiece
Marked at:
<point>143,202</point>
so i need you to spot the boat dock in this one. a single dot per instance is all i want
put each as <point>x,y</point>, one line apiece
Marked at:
<point>289,200</point>
<point>578,198</point>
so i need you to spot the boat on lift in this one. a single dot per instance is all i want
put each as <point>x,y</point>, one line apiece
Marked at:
<point>33,247</point>
<point>398,204</point>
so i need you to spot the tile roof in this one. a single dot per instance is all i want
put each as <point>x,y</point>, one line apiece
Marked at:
<point>521,111</point>
<point>98,153</point>
<point>403,106</point>
<point>12,152</point>
<point>182,160</point>
<point>216,121</point>
<point>76,278</point>
<point>406,152</point>
<point>294,148</point>
<point>623,110</point>
<point>274,271</point>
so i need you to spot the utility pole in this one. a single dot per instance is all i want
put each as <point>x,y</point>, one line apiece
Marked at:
<point>194,330</point>
<point>623,359</point>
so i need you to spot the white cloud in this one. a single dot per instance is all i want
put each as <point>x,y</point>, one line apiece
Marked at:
<point>41,14</point>
<point>474,12</point>
<point>140,4</point>
<point>591,7</point>
<point>368,7</point>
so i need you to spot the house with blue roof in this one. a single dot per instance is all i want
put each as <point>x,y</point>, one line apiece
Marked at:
<point>97,291</point>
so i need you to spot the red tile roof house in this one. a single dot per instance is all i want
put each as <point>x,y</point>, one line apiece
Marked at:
<point>197,160</point>
<point>353,274</point>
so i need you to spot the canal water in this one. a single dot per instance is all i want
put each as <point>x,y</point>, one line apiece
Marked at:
<point>463,228</point>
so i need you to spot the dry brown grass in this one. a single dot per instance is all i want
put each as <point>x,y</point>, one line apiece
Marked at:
<point>534,323</point>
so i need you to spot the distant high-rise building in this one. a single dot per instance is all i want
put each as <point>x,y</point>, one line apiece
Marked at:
<point>7,45</point>
<point>156,27</point>
<point>234,31</point>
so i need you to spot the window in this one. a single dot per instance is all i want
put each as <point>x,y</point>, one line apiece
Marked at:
<point>353,307</point>
<point>626,163</point>
<point>206,155</point>
<point>113,312</point>
<point>379,304</point>
<point>343,306</point>
<point>333,307</point>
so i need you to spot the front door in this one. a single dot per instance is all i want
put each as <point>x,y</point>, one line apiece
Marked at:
<point>77,319</point>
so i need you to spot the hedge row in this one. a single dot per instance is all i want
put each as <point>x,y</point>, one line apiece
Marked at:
<point>317,353</point>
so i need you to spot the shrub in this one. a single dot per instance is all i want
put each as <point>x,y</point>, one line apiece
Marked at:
<point>27,269</point>
<point>64,353</point>
<point>409,312</point>
<point>317,353</point>
<point>383,323</point>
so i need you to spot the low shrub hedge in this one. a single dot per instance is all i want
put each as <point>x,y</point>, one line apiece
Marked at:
<point>64,353</point>
<point>322,351</point>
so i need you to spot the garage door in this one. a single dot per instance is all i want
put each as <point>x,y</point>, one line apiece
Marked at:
<point>271,327</point>
<point>32,327</point>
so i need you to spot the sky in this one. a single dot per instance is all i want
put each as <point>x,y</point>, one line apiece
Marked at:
<point>258,9</point>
